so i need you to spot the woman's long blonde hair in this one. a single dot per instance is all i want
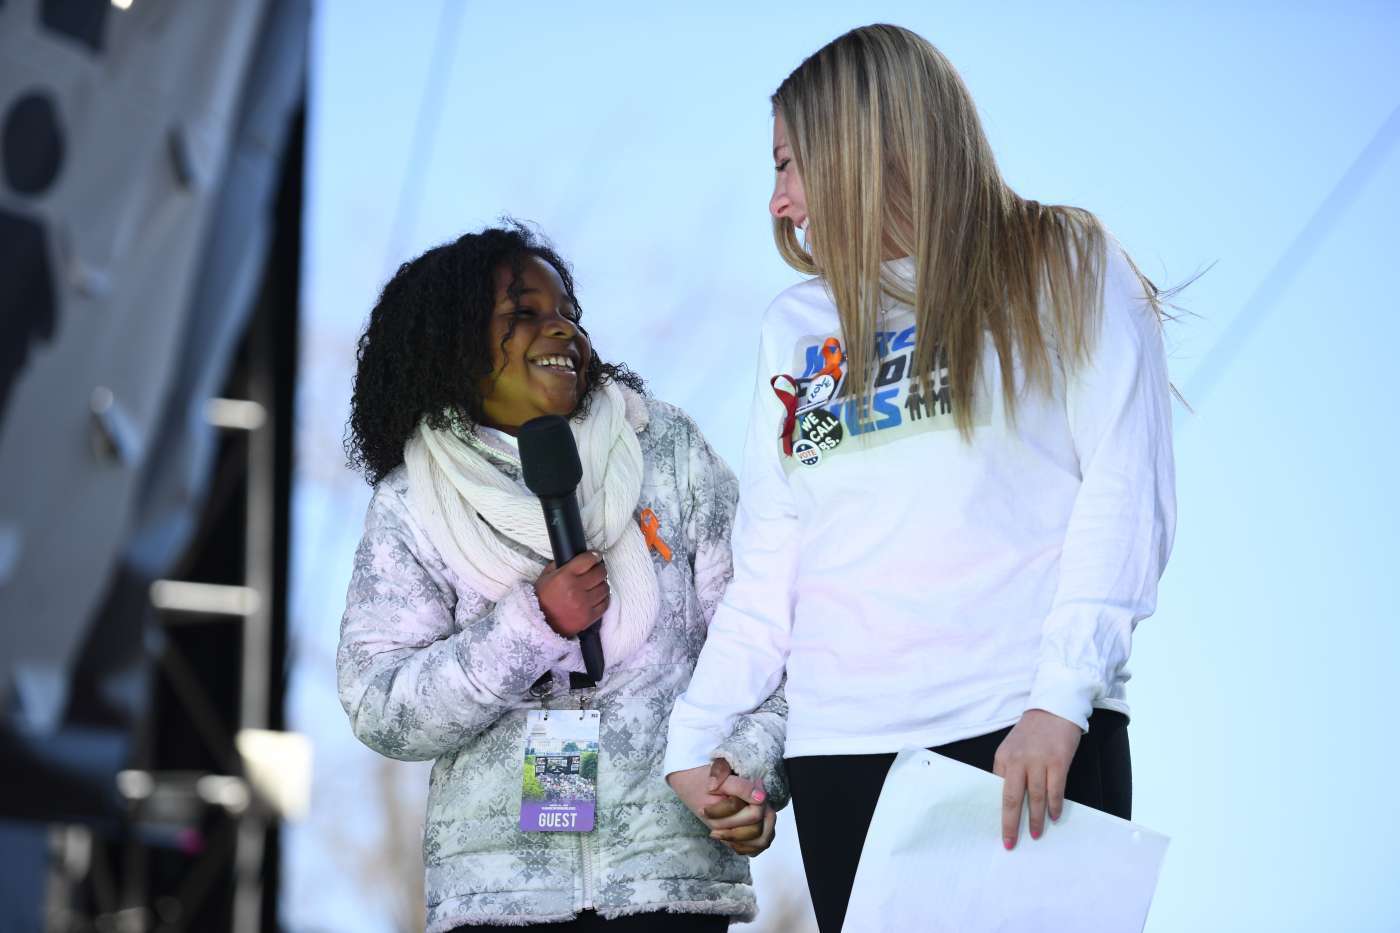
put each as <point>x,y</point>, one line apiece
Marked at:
<point>894,162</point>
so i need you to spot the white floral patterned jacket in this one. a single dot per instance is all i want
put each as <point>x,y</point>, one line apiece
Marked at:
<point>429,669</point>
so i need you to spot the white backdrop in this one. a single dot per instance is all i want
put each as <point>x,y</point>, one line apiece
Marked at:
<point>1258,137</point>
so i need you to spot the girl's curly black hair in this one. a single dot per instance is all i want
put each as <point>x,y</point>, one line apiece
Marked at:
<point>425,349</point>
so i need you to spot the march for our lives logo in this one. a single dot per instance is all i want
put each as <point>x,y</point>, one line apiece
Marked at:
<point>897,406</point>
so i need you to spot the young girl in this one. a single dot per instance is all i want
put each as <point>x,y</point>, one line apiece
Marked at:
<point>458,634</point>
<point>957,496</point>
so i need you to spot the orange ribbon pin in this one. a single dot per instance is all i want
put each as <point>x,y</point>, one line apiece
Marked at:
<point>831,353</point>
<point>651,528</point>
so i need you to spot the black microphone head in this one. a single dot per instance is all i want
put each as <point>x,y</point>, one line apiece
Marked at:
<point>549,456</point>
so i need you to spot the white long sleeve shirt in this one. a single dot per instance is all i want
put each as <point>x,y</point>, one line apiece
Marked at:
<point>919,588</point>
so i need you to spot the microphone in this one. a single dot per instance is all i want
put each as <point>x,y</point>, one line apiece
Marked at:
<point>551,468</point>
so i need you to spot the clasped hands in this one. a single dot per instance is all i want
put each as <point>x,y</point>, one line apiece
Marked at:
<point>735,809</point>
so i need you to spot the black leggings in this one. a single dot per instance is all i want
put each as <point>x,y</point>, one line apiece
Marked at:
<point>588,921</point>
<point>835,797</point>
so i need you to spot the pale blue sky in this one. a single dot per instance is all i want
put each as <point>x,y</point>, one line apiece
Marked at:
<point>1202,133</point>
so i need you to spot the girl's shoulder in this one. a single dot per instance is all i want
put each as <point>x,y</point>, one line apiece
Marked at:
<point>668,421</point>
<point>390,498</point>
<point>389,513</point>
<point>673,434</point>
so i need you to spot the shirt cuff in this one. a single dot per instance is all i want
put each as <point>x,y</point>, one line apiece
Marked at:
<point>1065,691</point>
<point>688,748</point>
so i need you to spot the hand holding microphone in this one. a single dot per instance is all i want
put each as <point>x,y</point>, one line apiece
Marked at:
<point>574,596</point>
<point>573,590</point>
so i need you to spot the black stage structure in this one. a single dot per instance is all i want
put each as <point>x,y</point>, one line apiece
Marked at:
<point>150,241</point>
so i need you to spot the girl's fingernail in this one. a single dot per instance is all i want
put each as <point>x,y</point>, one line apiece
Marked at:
<point>1008,843</point>
<point>1035,834</point>
<point>758,796</point>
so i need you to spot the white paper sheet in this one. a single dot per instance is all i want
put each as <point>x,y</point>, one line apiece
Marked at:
<point>933,861</point>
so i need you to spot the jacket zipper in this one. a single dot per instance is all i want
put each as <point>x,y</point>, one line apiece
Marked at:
<point>585,849</point>
<point>587,871</point>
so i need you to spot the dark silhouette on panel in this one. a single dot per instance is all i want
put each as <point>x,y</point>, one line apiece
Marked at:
<point>32,148</point>
<point>32,144</point>
<point>83,21</point>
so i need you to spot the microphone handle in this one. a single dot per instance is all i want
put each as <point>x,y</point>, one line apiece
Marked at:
<point>567,541</point>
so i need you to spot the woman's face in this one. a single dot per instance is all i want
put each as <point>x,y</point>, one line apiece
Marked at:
<point>788,199</point>
<point>540,369</point>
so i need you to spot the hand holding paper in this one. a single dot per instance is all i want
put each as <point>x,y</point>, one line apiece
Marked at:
<point>934,861</point>
<point>1033,763</point>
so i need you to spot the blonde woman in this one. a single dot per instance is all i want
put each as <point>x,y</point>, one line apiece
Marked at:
<point>957,496</point>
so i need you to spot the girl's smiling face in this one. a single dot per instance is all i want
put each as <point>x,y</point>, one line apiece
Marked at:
<point>539,353</point>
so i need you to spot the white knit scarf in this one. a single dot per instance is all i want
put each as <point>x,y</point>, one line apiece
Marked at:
<point>460,497</point>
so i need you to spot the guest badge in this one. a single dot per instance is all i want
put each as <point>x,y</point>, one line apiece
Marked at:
<point>561,771</point>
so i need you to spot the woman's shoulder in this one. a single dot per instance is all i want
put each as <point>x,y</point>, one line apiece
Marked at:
<point>1129,298</point>
<point>806,295</point>
<point>1120,272</point>
<point>803,308</point>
